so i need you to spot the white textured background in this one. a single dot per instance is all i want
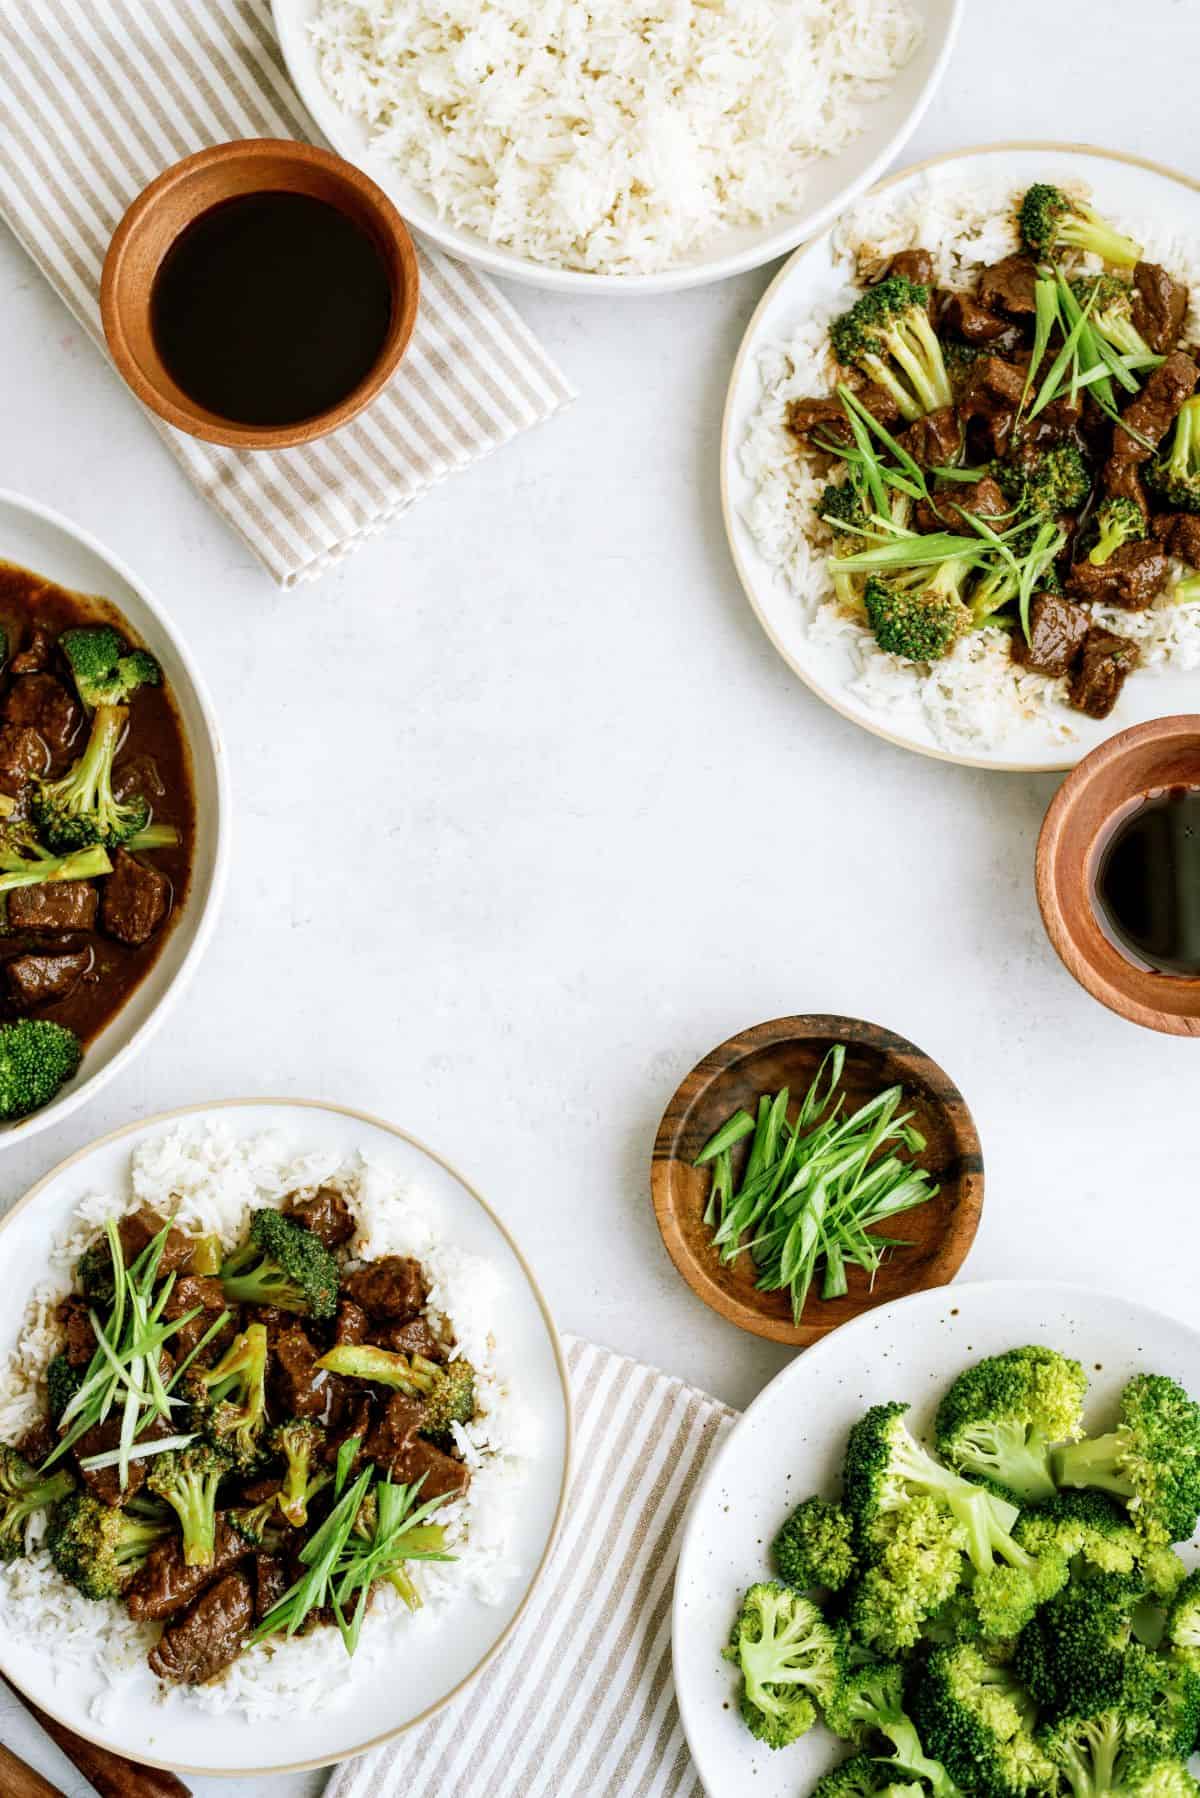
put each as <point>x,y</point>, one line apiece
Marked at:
<point>530,816</point>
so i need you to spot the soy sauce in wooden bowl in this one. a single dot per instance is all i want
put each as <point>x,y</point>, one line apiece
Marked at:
<point>1146,885</point>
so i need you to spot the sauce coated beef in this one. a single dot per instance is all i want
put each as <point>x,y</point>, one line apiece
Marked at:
<point>1179,534</point>
<point>209,1635</point>
<point>164,1584</point>
<point>391,1288</point>
<point>135,901</point>
<point>301,1387</point>
<point>1104,664</point>
<point>395,1446</point>
<point>326,1214</point>
<point>1160,306</point>
<point>205,1291</point>
<point>1057,628</point>
<point>1132,577</point>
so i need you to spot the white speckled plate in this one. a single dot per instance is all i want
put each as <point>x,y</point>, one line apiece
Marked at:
<point>790,1443</point>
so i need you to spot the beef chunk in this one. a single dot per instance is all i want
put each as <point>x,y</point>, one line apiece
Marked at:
<point>41,703</point>
<point>326,1213</point>
<point>36,654</point>
<point>442,1474</point>
<point>303,1388</point>
<point>35,980</point>
<point>1101,671</point>
<point>1152,411</point>
<point>356,1418</point>
<point>982,498</point>
<point>1057,628</point>
<point>64,905</point>
<point>990,398</point>
<point>208,1636</point>
<point>394,1431</point>
<point>974,323</point>
<point>934,439</point>
<point>164,1583</point>
<point>104,1483</point>
<point>79,1338</point>
<point>1008,287</point>
<point>136,900</point>
<point>206,1291</point>
<point>139,1228</point>
<point>22,754</point>
<point>352,1323</point>
<point>824,419</point>
<point>1179,534</point>
<point>271,1581</point>
<point>1159,306</point>
<point>413,1338</point>
<point>392,1287</point>
<point>38,1441</point>
<point>913,265</point>
<point>1131,577</point>
<point>1122,480</point>
<point>879,403</point>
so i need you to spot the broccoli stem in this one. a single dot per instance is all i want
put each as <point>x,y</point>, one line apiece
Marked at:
<point>1085,230</point>
<point>1095,1462</point>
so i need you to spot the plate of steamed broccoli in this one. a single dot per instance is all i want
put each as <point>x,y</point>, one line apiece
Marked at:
<point>948,1554</point>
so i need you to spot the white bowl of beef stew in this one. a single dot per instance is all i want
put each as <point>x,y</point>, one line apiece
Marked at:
<point>111,993</point>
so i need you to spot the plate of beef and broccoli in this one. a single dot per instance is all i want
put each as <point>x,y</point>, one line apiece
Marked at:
<point>949,1553</point>
<point>112,812</point>
<point>283,1437</point>
<point>961,458</point>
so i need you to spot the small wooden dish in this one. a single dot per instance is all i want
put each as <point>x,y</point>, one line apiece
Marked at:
<point>1163,753</point>
<point>178,197</point>
<point>787,1052</point>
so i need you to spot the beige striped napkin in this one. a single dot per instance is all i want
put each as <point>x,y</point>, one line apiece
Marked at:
<point>97,97</point>
<point>579,1702</point>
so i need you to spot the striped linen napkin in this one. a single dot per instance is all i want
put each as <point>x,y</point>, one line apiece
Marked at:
<point>97,97</point>
<point>579,1703</point>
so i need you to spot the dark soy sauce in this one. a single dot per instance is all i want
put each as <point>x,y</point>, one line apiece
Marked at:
<point>271,308</point>
<point>1146,892</point>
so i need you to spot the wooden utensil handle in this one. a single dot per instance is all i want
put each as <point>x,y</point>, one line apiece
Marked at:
<point>17,1780</point>
<point>111,1774</point>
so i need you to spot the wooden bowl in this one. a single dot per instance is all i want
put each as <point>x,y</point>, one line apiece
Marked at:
<point>178,197</point>
<point>787,1052</point>
<point>1162,753</point>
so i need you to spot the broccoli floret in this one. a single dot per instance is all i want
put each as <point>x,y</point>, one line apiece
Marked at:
<point>449,1399</point>
<point>841,507</point>
<point>862,1776</point>
<point>1176,472</point>
<point>298,1441</point>
<point>81,808</point>
<point>105,672</point>
<point>1000,1418</point>
<point>98,1547</point>
<point>282,1264</point>
<point>869,1701</point>
<point>1095,1529</point>
<point>1164,1693</point>
<point>1111,316</point>
<point>1182,1634</point>
<point>815,1547</point>
<point>1055,480</point>
<point>978,1721</point>
<point>24,863</point>
<point>1097,1754</point>
<point>1151,1720</point>
<point>62,1383</point>
<point>1052,220</point>
<point>448,1393</point>
<point>188,1478</point>
<point>1118,521</point>
<point>1151,1460</point>
<point>788,1656</point>
<point>915,1562</point>
<point>36,1059</point>
<point>887,335</point>
<point>1072,1656</point>
<point>23,1492</point>
<point>922,622</point>
<point>229,1400</point>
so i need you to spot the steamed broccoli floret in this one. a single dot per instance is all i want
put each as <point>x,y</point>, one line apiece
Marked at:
<point>282,1264</point>
<point>1072,1655</point>
<point>62,1383</point>
<point>230,1401</point>
<point>862,1776</point>
<point>1182,1634</point>
<point>815,1546</point>
<point>1111,316</point>
<point>36,1058</point>
<point>1046,482</point>
<point>298,1441</point>
<point>915,1563</point>
<point>24,863</point>
<point>1126,1743</point>
<point>1032,568</point>
<point>869,1701</point>
<point>788,1656</point>
<point>1087,1524</point>
<point>1000,1418</point>
<point>841,507</point>
<point>81,808</point>
<point>1101,1754</point>
<point>188,1479</point>
<point>1176,472</point>
<point>1118,521</point>
<point>888,336</point>
<point>105,672</point>
<point>920,622</point>
<point>98,1547</point>
<point>978,1721</point>
<point>447,1393</point>
<point>24,1491</point>
<point>1052,220</point>
<point>1151,1460</point>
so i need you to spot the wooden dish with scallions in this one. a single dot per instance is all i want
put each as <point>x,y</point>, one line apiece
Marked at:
<point>815,1092</point>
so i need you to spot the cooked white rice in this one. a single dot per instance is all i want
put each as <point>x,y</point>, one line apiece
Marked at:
<point>209,1180</point>
<point>613,136</point>
<point>977,696</point>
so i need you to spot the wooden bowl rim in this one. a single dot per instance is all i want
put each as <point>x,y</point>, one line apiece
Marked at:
<point>829,1029</point>
<point>1066,944</point>
<point>199,422</point>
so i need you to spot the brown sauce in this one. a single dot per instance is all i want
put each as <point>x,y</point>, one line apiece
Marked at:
<point>153,761</point>
<point>1146,890</point>
<point>271,308</point>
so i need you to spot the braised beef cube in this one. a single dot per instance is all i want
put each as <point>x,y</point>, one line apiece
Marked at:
<point>1057,628</point>
<point>79,1338</point>
<point>352,1323</point>
<point>1132,577</point>
<point>1122,479</point>
<point>61,906</point>
<point>990,399</point>
<point>137,1230</point>
<point>41,703</point>
<point>974,323</point>
<point>394,1431</point>
<point>209,1635</point>
<point>1104,664</point>
<point>934,440</point>
<point>303,1389</point>
<point>982,498</point>
<point>271,1581</point>
<point>32,981</point>
<point>37,1442</point>
<point>1179,534</point>
<point>412,1338</point>
<point>136,899</point>
<point>1160,306</point>
<point>36,653</point>
<point>356,1418</point>
<point>164,1583</point>
<point>22,755</point>
<point>880,404</point>
<point>1008,287</point>
<point>1151,413</point>
<point>817,422</point>
<point>913,265</point>
<point>205,1291</point>
<point>393,1286</point>
<point>326,1213</point>
<point>441,1474</point>
<point>1056,423</point>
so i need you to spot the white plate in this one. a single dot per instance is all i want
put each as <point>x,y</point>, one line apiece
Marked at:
<point>790,1443</point>
<point>831,182</point>
<point>1119,182</point>
<point>39,539</point>
<point>179,1733</point>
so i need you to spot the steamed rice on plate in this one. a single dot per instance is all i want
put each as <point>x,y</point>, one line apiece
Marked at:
<point>610,136</point>
<point>384,1235</point>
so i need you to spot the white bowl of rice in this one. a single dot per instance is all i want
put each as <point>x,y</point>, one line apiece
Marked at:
<point>623,146</point>
<point>303,1702</point>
